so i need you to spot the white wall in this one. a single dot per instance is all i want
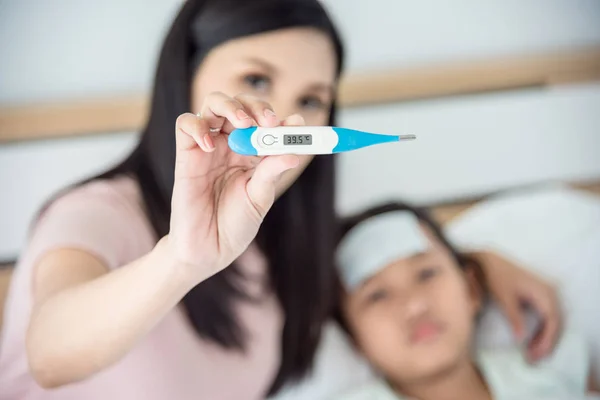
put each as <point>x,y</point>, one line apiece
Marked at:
<point>383,33</point>
<point>70,49</point>
<point>65,49</point>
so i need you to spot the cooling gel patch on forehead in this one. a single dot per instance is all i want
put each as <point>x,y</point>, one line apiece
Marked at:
<point>377,242</point>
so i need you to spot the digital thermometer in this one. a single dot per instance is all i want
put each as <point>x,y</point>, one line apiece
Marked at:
<point>261,141</point>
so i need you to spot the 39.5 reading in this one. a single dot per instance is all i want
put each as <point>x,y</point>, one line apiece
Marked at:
<point>297,140</point>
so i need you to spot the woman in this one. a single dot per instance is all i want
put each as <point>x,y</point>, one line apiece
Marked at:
<point>154,280</point>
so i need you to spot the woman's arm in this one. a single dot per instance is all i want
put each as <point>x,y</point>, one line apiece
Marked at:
<point>86,318</point>
<point>511,286</point>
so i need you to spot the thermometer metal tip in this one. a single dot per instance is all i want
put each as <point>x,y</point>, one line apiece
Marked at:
<point>407,137</point>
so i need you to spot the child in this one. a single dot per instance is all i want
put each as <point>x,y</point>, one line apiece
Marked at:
<point>409,301</point>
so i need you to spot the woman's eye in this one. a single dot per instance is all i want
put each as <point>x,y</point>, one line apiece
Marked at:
<point>312,103</point>
<point>257,82</point>
<point>426,274</point>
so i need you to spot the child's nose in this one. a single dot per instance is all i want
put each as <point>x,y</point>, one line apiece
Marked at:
<point>415,305</point>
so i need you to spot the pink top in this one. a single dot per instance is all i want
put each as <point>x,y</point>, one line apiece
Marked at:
<point>106,218</point>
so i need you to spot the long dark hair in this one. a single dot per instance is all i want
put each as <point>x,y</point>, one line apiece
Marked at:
<point>297,236</point>
<point>463,260</point>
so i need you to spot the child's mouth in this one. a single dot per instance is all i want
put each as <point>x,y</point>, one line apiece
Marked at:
<point>425,331</point>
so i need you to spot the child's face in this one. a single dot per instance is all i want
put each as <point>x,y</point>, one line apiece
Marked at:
<point>414,319</point>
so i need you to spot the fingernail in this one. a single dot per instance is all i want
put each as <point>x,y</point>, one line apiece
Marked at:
<point>241,114</point>
<point>207,142</point>
<point>269,113</point>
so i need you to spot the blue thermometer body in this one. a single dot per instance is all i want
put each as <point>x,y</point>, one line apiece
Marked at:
<point>261,141</point>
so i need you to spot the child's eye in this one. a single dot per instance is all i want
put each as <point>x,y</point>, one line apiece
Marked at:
<point>377,295</point>
<point>312,103</point>
<point>426,274</point>
<point>257,81</point>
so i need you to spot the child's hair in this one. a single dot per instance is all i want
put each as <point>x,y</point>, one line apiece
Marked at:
<point>346,224</point>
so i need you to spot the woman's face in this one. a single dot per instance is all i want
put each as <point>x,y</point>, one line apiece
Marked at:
<point>292,69</point>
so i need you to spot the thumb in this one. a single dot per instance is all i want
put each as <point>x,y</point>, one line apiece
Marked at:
<point>294,120</point>
<point>261,187</point>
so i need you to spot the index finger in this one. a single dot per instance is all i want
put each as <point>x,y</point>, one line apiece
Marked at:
<point>188,134</point>
<point>218,109</point>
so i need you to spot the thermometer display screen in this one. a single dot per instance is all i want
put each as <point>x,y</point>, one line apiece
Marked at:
<point>297,140</point>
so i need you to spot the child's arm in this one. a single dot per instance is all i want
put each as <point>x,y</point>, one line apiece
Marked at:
<point>510,286</point>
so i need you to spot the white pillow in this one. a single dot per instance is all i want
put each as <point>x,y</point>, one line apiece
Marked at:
<point>553,231</point>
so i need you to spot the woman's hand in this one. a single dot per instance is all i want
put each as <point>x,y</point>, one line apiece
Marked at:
<point>220,198</point>
<point>512,288</point>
